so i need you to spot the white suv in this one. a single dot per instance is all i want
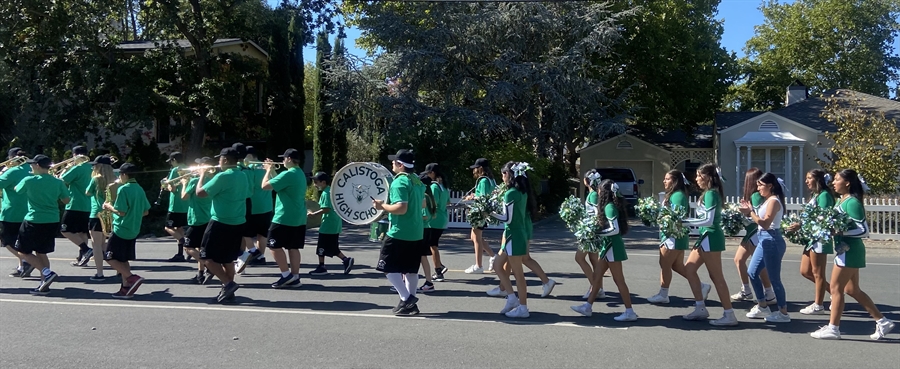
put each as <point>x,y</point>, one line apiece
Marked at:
<point>628,184</point>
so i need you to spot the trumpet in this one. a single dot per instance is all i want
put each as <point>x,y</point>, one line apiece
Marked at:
<point>187,173</point>
<point>275,165</point>
<point>59,168</point>
<point>12,163</point>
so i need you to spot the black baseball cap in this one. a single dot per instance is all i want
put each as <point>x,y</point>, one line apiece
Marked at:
<point>229,152</point>
<point>128,168</point>
<point>177,156</point>
<point>291,153</point>
<point>13,152</point>
<point>426,180</point>
<point>42,160</point>
<point>241,150</point>
<point>102,159</point>
<point>79,150</point>
<point>206,160</point>
<point>404,156</point>
<point>322,177</point>
<point>251,150</point>
<point>481,162</point>
<point>431,167</point>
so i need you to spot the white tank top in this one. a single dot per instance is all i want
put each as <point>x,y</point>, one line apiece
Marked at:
<point>776,223</point>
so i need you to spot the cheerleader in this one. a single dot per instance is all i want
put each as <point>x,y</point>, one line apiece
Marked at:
<point>612,254</point>
<point>591,182</point>
<point>749,242</point>
<point>770,251</point>
<point>671,250</point>
<point>515,238</point>
<point>708,248</point>
<point>812,263</point>
<point>484,185</point>
<point>850,257</point>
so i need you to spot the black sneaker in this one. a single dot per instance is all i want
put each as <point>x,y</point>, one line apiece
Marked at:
<point>283,281</point>
<point>411,301</point>
<point>37,291</point>
<point>295,283</point>
<point>320,270</point>
<point>409,310</point>
<point>437,277</point>
<point>48,280</point>
<point>208,276</point>
<point>198,278</point>
<point>348,265</point>
<point>260,260</point>
<point>228,290</point>
<point>189,258</point>
<point>443,270</point>
<point>26,270</point>
<point>177,258</point>
<point>17,273</point>
<point>85,258</point>
<point>400,306</point>
<point>98,277</point>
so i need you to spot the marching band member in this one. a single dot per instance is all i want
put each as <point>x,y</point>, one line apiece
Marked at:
<point>43,192</point>
<point>812,263</point>
<point>671,250</point>
<point>176,219</point>
<point>484,185</point>
<point>288,229</point>
<point>259,216</point>
<point>429,208</point>
<point>330,229</point>
<point>129,208</point>
<point>102,176</point>
<point>198,217</point>
<point>75,220</point>
<point>14,208</point>
<point>436,226</point>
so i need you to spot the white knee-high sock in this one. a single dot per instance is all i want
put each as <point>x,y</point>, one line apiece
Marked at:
<point>412,279</point>
<point>396,280</point>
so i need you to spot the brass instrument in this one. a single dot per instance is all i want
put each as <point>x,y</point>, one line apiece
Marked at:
<point>58,169</point>
<point>12,163</point>
<point>187,173</point>
<point>106,221</point>
<point>275,165</point>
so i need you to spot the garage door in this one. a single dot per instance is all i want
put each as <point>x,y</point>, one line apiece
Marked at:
<point>643,169</point>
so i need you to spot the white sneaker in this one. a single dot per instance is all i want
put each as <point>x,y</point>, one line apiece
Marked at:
<point>813,309</point>
<point>704,289</point>
<point>601,294</point>
<point>497,292</point>
<point>520,311</point>
<point>699,313</point>
<point>759,313</point>
<point>548,287</point>
<point>727,320</point>
<point>626,317</point>
<point>826,333</point>
<point>586,294</point>
<point>778,317</point>
<point>583,309</point>
<point>241,262</point>
<point>658,299</point>
<point>742,296</point>
<point>491,264</point>
<point>474,269</point>
<point>882,330</point>
<point>510,305</point>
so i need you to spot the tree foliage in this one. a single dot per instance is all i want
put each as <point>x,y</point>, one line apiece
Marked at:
<point>826,44</point>
<point>323,139</point>
<point>865,140</point>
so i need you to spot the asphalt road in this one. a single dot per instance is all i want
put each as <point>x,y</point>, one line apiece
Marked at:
<point>344,321</point>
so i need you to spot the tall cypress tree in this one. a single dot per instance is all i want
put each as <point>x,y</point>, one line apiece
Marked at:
<point>323,139</point>
<point>341,118</point>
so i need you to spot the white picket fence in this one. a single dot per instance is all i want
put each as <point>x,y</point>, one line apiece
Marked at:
<point>882,214</point>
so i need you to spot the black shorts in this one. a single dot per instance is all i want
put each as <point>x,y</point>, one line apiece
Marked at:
<point>74,221</point>
<point>10,233</point>
<point>119,249</point>
<point>193,236</point>
<point>328,245</point>
<point>286,237</point>
<point>258,224</point>
<point>38,238</point>
<point>176,220</point>
<point>94,225</point>
<point>433,236</point>
<point>221,242</point>
<point>399,256</point>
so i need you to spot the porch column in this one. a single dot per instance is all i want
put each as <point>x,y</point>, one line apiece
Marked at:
<point>788,173</point>
<point>737,170</point>
<point>802,172</point>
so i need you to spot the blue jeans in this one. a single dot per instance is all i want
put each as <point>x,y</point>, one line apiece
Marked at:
<point>768,256</point>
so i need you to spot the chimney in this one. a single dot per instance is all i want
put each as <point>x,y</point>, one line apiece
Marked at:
<point>796,92</point>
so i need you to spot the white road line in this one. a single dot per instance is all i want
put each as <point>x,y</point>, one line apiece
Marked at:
<point>785,260</point>
<point>301,312</point>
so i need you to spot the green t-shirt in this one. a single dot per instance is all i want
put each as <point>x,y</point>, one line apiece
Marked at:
<point>78,178</point>
<point>14,205</point>
<point>131,200</point>
<point>290,198</point>
<point>249,174</point>
<point>260,199</point>
<point>228,192</point>
<point>517,228</point>
<point>409,226</point>
<point>331,222</point>
<point>441,198</point>
<point>711,200</point>
<point>43,193</point>
<point>825,200</point>
<point>199,208</point>
<point>484,186</point>
<point>176,204</point>
<point>98,197</point>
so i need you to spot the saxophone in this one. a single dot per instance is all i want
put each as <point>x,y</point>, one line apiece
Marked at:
<point>106,221</point>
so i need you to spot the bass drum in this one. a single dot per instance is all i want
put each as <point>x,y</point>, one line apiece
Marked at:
<point>353,189</point>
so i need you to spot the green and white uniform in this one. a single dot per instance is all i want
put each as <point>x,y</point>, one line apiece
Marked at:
<point>851,252</point>
<point>514,217</point>
<point>613,248</point>
<point>677,198</point>
<point>712,237</point>
<point>752,229</point>
<point>590,204</point>
<point>823,200</point>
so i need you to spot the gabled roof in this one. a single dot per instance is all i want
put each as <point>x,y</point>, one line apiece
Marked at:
<point>141,46</point>
<point>701,138</point>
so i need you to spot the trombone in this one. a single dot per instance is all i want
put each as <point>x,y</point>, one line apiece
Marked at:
<point>186,173</point>
<point>59,168</point>
<point>12,163</point>
<point>275,165</point>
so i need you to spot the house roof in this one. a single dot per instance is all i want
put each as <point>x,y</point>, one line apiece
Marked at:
<point>701,138</point>
<point>785,138</point>
<point>141,46</point>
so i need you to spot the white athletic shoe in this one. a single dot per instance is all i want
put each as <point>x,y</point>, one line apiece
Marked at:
<point>742,296</point>
<point>759,313</point>
<point>826,333</point>
<point>601,294</point>
<point>882,329</point>
<point>585,309</point>
<point>474,269</point>
<point>727,320</point>
<point>699,313</point>
<point>626,317</point>
<point>813,309</point>
<point>520,311</point>
<point>778,317</point>
<point>497,292</point>
<point>491,263</point>
<point>704,288</point>
<point>586,294</point>
<point>511,303</point>
<point>241,262</point>
<point>658,299</point>
<point>548,287</point>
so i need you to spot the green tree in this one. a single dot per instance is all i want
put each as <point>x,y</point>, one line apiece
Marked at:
<point>323,141</point>
<point>286,127</point>
<point>826,44</point>
<point>865,141</point>
<point>342,119</point>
